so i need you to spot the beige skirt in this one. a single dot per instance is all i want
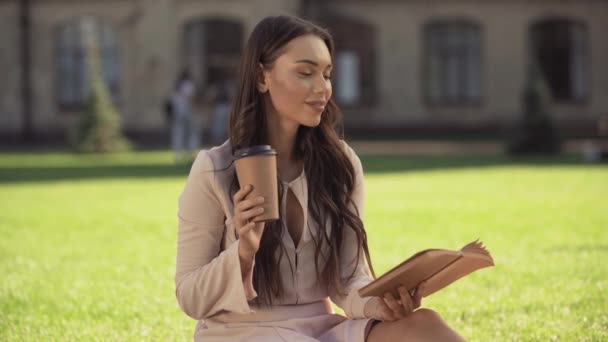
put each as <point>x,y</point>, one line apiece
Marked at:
<point>306,322</point>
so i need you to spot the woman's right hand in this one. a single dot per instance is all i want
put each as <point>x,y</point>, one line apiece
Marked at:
<point>388,308</point>
<point>249,232</point>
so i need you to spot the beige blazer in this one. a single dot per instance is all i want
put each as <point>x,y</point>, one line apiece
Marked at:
<point>208,281</point>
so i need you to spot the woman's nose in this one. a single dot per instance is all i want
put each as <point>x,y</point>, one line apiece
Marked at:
<point>321,85</point>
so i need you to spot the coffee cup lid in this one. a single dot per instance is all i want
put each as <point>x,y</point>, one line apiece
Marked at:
<point>254,151</point>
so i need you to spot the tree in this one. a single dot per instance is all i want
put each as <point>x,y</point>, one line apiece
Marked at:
<point>99,127</point>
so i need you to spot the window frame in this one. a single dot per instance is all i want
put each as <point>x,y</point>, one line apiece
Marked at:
<point>462,99</point>
<point>586,53</point>
<point>76,51</point>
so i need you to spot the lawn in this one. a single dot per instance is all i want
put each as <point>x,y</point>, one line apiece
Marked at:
<point>88,243</point>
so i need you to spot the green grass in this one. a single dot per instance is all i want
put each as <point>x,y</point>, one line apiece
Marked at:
<point>88,243</point>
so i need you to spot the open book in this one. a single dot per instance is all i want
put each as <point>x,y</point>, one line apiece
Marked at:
<point>439,267</point>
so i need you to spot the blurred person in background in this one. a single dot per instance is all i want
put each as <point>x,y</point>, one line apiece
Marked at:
<point>221,109</point>
<point>596,150</point>
<point>185,125</point>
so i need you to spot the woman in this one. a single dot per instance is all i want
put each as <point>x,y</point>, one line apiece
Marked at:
<point>185,128</point>
<point>249,281</point>
<point>221,109</point>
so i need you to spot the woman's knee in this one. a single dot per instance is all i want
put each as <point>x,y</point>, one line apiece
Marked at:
<point>420,325</point>
<point>429,324</point>
<point>427,316</point>
<point>422,320</point>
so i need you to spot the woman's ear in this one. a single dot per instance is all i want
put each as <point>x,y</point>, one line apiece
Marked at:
<point>260,80</point>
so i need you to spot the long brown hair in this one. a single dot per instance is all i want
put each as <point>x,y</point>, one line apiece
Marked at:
<point>326,165</point>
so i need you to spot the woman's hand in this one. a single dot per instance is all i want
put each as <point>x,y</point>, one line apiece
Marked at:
<point>389,308</point>
<point>249,232</point>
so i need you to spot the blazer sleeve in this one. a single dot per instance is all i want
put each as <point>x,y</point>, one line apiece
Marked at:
<point>207,281</point>
<point>350,301</point>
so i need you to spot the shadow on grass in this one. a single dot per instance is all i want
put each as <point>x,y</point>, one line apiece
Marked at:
<point>73,173</point>
<point>372,165</point>
<point>383,163</point>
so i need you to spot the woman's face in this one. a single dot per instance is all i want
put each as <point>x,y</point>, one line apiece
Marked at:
<point>298,83</point>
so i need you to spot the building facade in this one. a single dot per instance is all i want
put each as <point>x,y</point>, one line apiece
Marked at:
<point>401,67</point>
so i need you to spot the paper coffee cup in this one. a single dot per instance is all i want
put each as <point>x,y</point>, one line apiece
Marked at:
<point>257,166</point>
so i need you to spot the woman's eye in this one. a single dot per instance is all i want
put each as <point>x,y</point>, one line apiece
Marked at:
<point>308,74</point>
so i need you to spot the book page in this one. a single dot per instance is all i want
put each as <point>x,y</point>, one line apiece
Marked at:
<point>468,263</point>
<point>439,267</point>
<point>476,247</point>
<point>411,272</point>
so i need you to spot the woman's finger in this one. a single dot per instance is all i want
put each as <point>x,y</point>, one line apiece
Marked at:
<point>245,228</point>
<point>406,300</point>
<point>257,228</point>
<point>383,312</point>
<point>390,300</point>
<point>245,216</point>
<point>386,314</point>
<point>242,193</point>
<point>417,299</point>
<point>248,203</point>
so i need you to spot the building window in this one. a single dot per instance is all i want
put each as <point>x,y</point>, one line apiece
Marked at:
<point>453,64</point>
<point>348,91</point>
<point>560,47</point>
<point>211,49</point>
<point>354,74</point>
<point>71,68</point>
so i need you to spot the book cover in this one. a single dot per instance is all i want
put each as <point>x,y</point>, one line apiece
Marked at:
<point>439,267</point>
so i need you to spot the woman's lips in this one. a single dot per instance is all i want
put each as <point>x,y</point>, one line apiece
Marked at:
<point>318,106</point>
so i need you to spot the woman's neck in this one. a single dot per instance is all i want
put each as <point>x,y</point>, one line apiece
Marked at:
<point>282,137</point>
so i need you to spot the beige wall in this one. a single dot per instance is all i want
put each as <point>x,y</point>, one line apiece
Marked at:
<point>149,53</point>
<point>150,35</point>
<point>10,92</point>
<point>504,56</point>
<point>46,17</point>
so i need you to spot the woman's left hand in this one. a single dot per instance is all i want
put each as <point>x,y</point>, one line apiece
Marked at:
<point>389,308</point>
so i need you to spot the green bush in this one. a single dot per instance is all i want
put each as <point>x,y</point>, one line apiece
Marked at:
<point>99,127</point>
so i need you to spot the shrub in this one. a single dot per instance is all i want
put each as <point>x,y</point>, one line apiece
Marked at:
<point>98,129</point>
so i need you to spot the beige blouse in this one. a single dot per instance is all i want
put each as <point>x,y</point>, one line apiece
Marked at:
<point>208,283</point>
